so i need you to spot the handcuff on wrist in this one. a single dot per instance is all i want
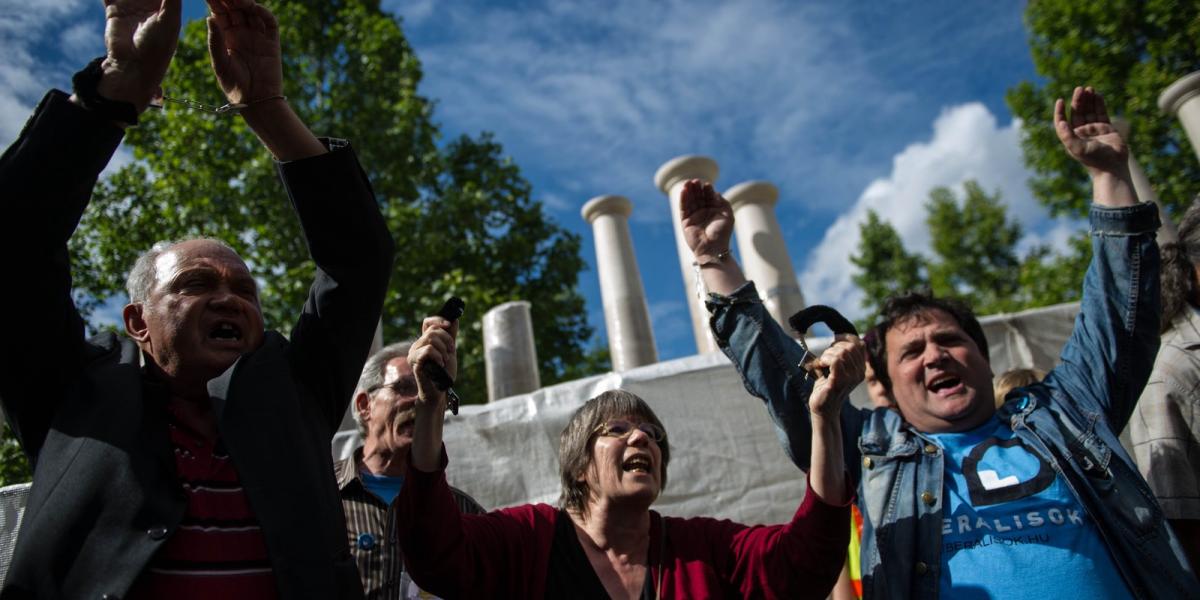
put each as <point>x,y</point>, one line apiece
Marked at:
<point>230,108</point>
<point>720,258</point>
<point>85,85</point>
<point>697,265</point>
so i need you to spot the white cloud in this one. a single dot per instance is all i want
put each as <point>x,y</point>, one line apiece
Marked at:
<point>967,143</point>
<point>19,89</point>
<point>414,12</point>
<point>557,203</point>
<point>606,96</point>
<point>23,79</point>
<point>83,41</point>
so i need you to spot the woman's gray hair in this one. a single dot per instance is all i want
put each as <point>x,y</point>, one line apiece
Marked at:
<point>372,374</point>
<point>578,437</point>
<point>1179,260</point>
<point>141,277</point>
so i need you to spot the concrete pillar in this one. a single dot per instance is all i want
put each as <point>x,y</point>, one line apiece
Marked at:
<point>1182,99</point>
<point>670,179</point>
<point>762,249</point>
<point>626,316</point>
<point>510,357</point>
<point>1145,192</point>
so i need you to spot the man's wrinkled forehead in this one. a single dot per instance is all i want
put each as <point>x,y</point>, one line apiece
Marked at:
<point>905,326</point>
<point>193,253</point>
<point>396,369</point>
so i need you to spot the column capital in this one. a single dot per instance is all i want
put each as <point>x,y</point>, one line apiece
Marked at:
<point>682,168</point>
<point>752,192</point>
<point>1184,89</point>
<point>606,205</point>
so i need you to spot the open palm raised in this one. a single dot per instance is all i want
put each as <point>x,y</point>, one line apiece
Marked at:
<point>140,36</point>
<point>707,220</point>
<point>1088,135</point>
<point>243,43</point>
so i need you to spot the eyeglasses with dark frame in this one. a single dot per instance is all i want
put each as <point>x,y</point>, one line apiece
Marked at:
<point>405,387</point>
<point>623,428</point>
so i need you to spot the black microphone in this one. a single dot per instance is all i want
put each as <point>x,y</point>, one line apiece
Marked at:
<point>452,311</point>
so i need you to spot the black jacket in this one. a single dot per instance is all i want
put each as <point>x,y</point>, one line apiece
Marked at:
<point>105,495</point>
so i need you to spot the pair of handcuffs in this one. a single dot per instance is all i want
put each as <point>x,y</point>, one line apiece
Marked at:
<point>803,320</point>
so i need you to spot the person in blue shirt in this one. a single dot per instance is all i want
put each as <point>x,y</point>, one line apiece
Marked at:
<point>369,480</point>
<point>961,499</point>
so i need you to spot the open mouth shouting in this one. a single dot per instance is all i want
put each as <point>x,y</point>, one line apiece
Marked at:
<point>638,463</point>
<point>226,333</point>
<point>945,384</point>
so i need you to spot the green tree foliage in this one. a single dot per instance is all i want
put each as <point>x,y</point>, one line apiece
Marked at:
<point>463,217</point>
<point>1129,50</point>
<point>14,468</point>
<point>975,249</point>
<point>974,258</point>
<point>884,266</point>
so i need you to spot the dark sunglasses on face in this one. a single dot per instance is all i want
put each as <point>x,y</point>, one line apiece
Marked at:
<point>622,428</point>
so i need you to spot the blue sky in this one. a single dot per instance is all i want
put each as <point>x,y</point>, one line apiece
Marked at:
<point>843,106</point>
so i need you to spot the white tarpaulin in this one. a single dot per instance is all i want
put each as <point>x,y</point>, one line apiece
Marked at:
<point>725,458</point>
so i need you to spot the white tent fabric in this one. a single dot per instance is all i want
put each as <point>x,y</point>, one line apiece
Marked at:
<point>1031,338</point>
<point>12,508</point>
<point>725,458</point>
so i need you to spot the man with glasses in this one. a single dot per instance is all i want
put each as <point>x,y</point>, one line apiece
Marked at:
<point>188,458</point>
<point>369,481</point>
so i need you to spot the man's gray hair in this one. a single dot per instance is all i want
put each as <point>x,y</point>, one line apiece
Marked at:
<point>372,373</point>
<point>141,277</point>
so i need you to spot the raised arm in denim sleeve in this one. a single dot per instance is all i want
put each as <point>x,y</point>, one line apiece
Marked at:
<point>1107,360</point>
<point>768,360</point>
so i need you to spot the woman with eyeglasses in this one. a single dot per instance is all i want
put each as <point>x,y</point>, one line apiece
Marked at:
<point>603,540</point>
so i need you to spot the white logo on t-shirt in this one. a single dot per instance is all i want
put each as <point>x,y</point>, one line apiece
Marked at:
<point>992,481</point>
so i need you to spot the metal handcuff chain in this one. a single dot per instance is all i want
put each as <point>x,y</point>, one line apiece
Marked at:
<point>231,108</point>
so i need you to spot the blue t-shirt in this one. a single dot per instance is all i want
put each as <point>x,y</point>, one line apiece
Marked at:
<point>1012,528</point>
<point>385,487</point>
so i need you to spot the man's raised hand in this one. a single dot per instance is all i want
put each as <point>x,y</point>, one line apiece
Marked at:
<point>437,346</point>
<point>707,220</point>
<point>140,36</point>
<point>845,362</point>
<point>1088,136</point>
<point>243,43</point>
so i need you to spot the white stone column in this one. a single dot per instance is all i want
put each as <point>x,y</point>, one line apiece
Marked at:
<point>510,357</point>
<point>670,179</point>
<point>626,316</point>
<point>1182,99</point>
<point>1145,192</point>
<point>762,249</point>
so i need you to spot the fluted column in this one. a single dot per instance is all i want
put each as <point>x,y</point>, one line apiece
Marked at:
<point>626,316</point>
<point>1182,99</point>
<point>762,249</point>
<point>670,179</point>
<point>1145,192</point>
<point>508,349</point>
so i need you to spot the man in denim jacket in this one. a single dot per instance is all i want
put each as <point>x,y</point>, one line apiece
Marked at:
<point>959,499</point>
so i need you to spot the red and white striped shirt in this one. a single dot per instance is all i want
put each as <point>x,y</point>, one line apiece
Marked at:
<point>218,551</point>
